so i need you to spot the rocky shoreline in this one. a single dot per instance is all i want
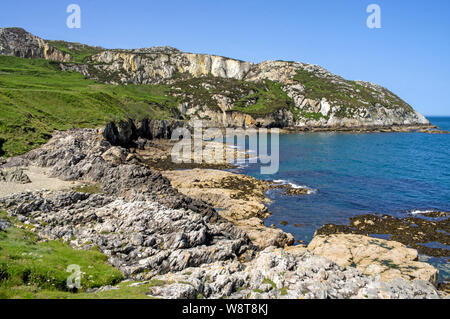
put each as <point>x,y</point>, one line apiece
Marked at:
<point>199,232</point>
<point>423,128</point>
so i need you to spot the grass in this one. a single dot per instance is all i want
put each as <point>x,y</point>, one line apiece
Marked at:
<point>124,291</point>
<point>316,87</point>
<point>32,269</point>
<point>37,98</point>
<point>312,115</point>
<point>25,262</point>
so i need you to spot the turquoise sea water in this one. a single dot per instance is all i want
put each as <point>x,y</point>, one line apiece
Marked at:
<point>354,174</point>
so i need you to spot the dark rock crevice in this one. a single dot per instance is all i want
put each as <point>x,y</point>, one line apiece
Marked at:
<point>126,133</point>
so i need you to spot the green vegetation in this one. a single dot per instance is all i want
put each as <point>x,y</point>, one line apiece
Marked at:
<point>30,269</point>
<point>270,282</point>
<point>317,87</point>
<point>37,98</point>
<point>90,189</point>
<point>199,91</point>
<point>312,115</point>
<point>256,99</point>
<point>26,263</point>
<point>266,97</point>
<point>349,94</point>
<point>122,291</point>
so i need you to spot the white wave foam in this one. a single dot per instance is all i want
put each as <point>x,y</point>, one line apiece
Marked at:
<point>418,212</point>
<point>296,186</point>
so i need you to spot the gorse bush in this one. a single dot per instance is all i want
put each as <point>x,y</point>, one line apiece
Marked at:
<point>267,97</point>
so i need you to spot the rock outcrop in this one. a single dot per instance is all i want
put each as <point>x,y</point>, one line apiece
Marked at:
<point>157,64</point>
<point>315,97</point>
<point>373,256</point>
<point>127,133</point>
<point>239,197</point>
<point>141,237</point>
<point>139,220</point>
<point>20,43</point>
<point>421,232</point>
<point>277,274</point>
<point>14,176</point>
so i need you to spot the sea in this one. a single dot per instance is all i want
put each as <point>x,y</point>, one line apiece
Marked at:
<point>350,174</point>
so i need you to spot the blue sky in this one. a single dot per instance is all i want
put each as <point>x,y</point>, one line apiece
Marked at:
<point>409,54</point>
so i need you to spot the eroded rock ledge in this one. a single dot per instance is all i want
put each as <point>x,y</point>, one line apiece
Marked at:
<point>128,189</point>
<point>416,231</point>
<point>240,199</point>
<point>374,256</point>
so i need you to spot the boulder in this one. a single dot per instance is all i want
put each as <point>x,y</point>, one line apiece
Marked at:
<point>15,176</point>
<point>4,225</point>
<point>110,133</point>
<point>127,133</point>
<point>116,155</point>
<point>373,256</point>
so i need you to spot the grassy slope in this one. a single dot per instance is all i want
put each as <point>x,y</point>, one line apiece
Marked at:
<point>36,98</point>
<point>254,98</point>
<point>32,269</point>
<point>23,260</point>
<point>124,291</point>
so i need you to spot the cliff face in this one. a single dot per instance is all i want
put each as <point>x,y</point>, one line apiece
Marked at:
<point>229,92</point>
<point>316,97</point>
<point>163,64</point>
